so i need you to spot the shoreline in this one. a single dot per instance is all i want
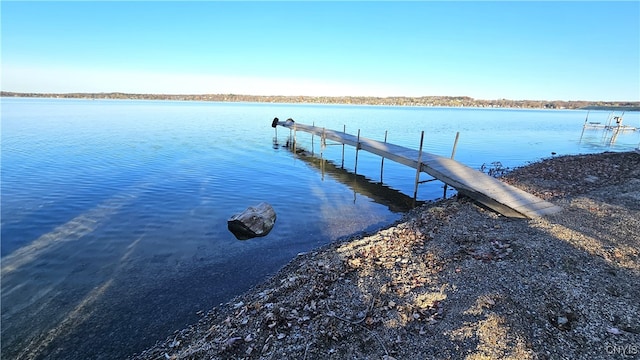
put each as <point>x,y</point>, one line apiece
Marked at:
<point>452,279</point>
<point>422,101</point>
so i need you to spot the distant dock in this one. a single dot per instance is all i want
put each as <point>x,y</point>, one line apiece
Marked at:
<point>613,127</point>
<point>487,190</point>
<point>609,127</point>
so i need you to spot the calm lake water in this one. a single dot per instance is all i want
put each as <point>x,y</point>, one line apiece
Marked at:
<point>114,212</point>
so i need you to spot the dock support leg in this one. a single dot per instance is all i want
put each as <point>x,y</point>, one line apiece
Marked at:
<point>355,170</point>
<point>584,126</point>
<point>323,144</point>
<point>453,155</point>
<point>344,130</point>
<point>275,138</point>
<point>312,149</point>
<point>323,141</point>
<point>382,161</point>
<point>294,139</point>
<point>418,169</point>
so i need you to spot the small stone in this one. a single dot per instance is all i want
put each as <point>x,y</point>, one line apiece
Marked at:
<point>591,179</point>
<point>562,321</point>
<point>614,331</point>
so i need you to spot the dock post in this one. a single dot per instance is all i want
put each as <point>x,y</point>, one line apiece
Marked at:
<point>382,161</point>
<point>355,170</point>
<point>344,130</point>
<point>312,150</point>
<point>583,128</point>
<point>418,169</point>
<point>323,144</point>
<point>274,125</point>
<point>453,155</point>
<point>323,141</point>
<point>610,119</point>
<point>455,145</point>
<point>275,138</point>
<point>294,138</point>
<point>614,136</point>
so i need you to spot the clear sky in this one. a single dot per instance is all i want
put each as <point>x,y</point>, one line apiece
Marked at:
<point>486,50</point>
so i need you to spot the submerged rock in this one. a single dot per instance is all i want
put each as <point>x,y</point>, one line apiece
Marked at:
<point>253,222</point>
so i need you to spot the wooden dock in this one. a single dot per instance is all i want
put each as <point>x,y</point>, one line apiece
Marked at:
<point>487,190</point>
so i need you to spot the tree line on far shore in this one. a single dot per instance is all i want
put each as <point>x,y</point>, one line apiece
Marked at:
<point>443,101</point>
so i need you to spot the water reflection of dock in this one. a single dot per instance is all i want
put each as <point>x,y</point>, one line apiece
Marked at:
<point>489,191</point>
<point>395,200</point>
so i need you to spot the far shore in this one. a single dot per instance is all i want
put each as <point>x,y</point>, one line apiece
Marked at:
<point>426,101</point>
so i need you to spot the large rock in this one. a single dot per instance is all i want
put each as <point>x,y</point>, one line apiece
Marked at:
<point>254,221</point>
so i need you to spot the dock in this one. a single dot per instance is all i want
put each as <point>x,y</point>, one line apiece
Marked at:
<point>486,190</point>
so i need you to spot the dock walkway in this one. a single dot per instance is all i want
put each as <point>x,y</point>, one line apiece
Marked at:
<point>487,190</point>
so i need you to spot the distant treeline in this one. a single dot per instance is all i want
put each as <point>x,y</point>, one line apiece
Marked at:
<point>447,101</point>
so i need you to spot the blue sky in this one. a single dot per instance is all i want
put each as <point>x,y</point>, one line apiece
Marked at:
<point>486,50</point>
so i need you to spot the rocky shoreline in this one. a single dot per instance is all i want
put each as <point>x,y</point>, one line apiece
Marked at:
<point>454,280</point>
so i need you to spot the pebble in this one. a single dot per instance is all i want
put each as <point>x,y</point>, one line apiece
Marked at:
<point>614,331</point>
<point>562,321</point>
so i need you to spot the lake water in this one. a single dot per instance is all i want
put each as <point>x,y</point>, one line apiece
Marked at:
<point>114,212</point>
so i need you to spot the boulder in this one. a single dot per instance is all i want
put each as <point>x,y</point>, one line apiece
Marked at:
<point>255,221</point>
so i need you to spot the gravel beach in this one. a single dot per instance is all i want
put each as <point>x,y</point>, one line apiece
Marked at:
<point>454,280</point>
